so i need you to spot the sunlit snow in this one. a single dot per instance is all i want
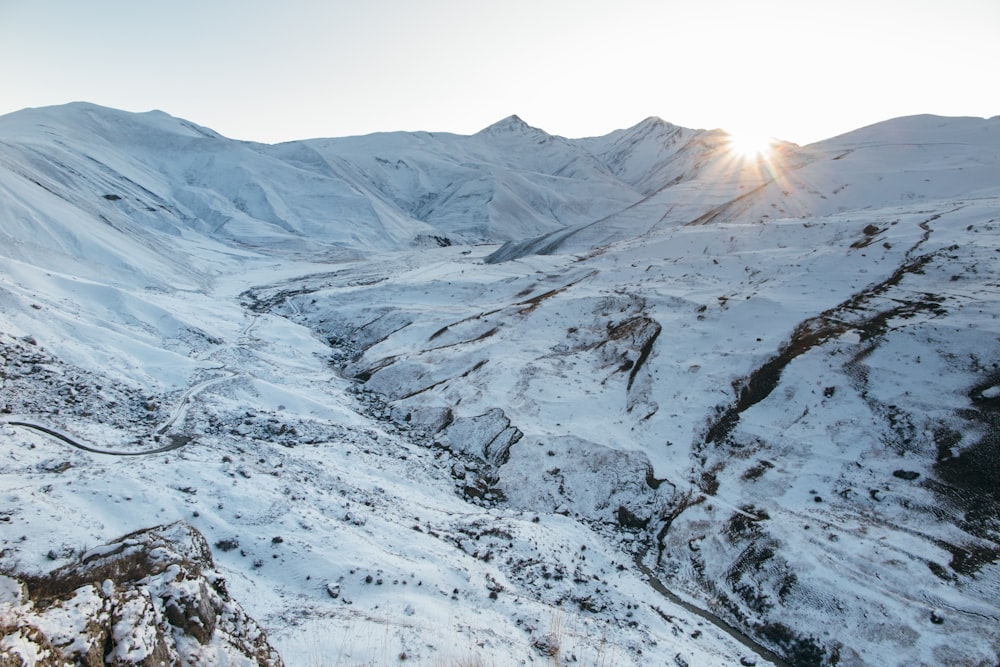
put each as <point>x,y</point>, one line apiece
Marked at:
<point>455,398</point>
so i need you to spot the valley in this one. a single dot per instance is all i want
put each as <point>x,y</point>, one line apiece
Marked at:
<point>513,398</point>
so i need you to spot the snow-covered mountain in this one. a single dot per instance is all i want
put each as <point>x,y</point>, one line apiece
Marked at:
<point>512,397</point>
<point>378,192</point>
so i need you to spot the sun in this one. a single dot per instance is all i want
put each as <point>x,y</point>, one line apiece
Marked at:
<point>750,145</point>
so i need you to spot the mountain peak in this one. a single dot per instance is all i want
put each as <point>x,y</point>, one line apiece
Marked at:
<point>653,124</point>
<point>654,121</point>
<point>509,125</point>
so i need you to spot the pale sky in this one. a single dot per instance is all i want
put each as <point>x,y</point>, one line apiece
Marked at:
<point>276,70</point>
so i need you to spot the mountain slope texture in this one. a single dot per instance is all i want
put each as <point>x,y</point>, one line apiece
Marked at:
<point>507,398</point>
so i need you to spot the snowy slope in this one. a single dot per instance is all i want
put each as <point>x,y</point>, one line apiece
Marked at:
<point>897,162</point>
<point>691,350</point>
<point>385,191</point>
<point>508,181</point>
<point>654,153</point>
<point>735,411</point>
<point>154,172</point>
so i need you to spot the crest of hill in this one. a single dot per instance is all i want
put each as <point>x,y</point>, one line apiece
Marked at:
<point>923,129</point>
<point>891,163</point>
<point>151,173</point>
<point>144,175</point>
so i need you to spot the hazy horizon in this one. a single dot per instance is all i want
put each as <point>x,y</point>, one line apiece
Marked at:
<point>255,71</point>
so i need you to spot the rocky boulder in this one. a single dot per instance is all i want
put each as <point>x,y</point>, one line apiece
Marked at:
<point>150,598</point>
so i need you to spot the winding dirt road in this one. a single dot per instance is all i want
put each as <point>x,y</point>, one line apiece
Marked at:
<point>176,442</point>
<point>760,651</point>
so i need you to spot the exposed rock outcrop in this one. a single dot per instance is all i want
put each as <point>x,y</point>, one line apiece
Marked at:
<point>488,436</point>
<point>150,598</point>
